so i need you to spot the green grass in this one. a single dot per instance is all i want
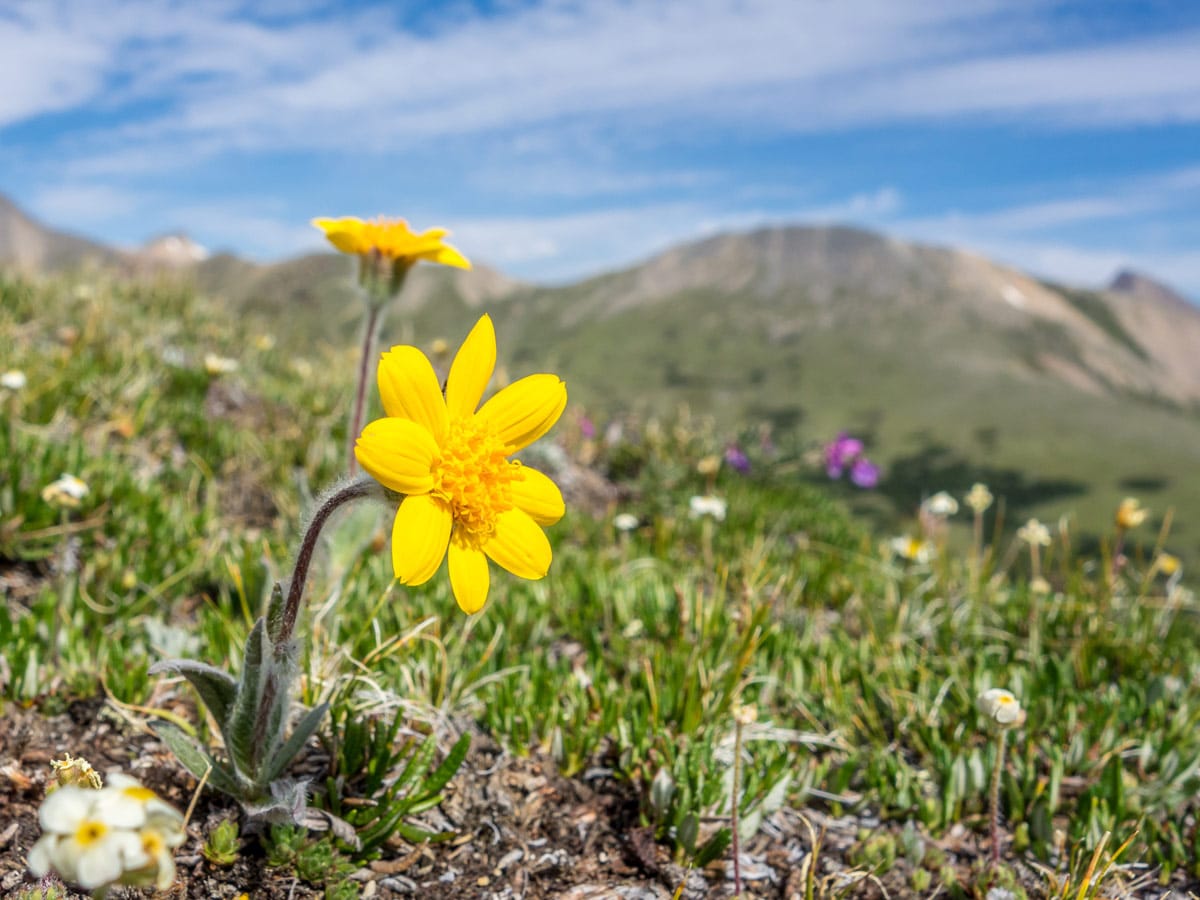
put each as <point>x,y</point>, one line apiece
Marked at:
<point>631,653</point>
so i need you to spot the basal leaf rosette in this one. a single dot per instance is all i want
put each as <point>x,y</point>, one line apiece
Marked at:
<point>464,498</point>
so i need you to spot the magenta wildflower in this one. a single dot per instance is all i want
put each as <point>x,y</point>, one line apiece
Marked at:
<point>840,453</point>
<point>846,453</point>
<point>587,428</point>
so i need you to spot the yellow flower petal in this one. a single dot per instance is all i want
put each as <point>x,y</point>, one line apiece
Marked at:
<point>449,256</point>
<point>399,454</point>
<point>538,496</point>
<point>469,577</point>
<point>409,389</point>
<point>525,410</point>
<point>419,538</point>
<point>345,233</point>
<point>471,370</point>
<point>519,545</point>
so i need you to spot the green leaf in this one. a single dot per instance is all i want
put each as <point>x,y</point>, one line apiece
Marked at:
<point>240,730</point>
<point>713,847</point>
<point>275,613</point>
<point>197,760</point>
<point>217,689</point>
<point>287,752</point>
<point>448,768</point>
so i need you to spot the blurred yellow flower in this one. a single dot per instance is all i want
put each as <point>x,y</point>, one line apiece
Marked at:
<point>390,239</point>
<point>1131,513</point>
<point>464,499</point>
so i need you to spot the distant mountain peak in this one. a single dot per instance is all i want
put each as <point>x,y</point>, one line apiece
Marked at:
<point>1138,285</point>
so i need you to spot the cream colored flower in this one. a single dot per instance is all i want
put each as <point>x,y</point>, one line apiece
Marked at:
<point>73,771</point>
<point>709,465</point>
<point>707,505</point>
<point>979,498</point>
<point>219,365</point>
<point>1001,707</point>
<point>66,493</point>
<point>1034,533</point>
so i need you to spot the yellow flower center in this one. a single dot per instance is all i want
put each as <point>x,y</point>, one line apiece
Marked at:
<point>474,477</point>
<point>152,843</point>
<point>139,793</point>
<point>89,832</point>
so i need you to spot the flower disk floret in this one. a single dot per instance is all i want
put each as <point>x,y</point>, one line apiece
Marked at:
<point>464,499</point>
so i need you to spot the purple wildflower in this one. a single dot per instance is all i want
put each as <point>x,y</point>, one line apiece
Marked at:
<point>587,428</point>
<point>864,473</point>
<point>737,459</point>
<point>840,453</point>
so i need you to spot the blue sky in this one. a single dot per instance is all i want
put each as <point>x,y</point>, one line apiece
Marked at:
<point>557,139</point>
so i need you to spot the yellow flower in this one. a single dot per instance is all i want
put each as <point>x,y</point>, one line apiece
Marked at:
<point>1130,514</point>
<point>392,240</point>
<point>464,499</point>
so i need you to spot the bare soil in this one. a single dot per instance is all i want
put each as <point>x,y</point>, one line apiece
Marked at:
<point>524,832</point>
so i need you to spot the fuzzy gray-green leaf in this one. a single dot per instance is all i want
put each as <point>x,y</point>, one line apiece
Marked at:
<point>217,689</point>
<point>239,730</point>
<point>197,760</point>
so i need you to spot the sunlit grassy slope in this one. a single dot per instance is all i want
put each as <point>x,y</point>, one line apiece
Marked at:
<point>863,668</point>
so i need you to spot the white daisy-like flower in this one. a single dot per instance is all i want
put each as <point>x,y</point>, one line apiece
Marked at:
<point>128,801</point>
<point>707,505</point>
<point>67,492</point>
<point>1001,707</point>
<point>81,842</point>
<point>13,380</point>
<point>912,548</point>
<point>941,505</point>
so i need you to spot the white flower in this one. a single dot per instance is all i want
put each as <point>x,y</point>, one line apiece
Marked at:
<point>1034,533</point>
<point>122,834</point>
<point>13,380</point>
<point>979,498</point>
<point>127,799</point>
<point>625,521</point>
<point>941,505</point>
<point>707,505</point>
<point>1001,707</point>
<point>911,548</point>
<point>66,492</point>
<point>81,843</point>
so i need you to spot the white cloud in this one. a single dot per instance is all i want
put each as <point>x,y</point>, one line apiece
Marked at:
<point>181,73</point>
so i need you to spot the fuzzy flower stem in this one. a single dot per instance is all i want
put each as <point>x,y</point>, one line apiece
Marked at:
<point>355,490</point>
<point>994,797</point>
<point>374,314</point>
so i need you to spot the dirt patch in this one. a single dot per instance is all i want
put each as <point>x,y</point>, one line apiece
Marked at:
<point>524,831</point>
